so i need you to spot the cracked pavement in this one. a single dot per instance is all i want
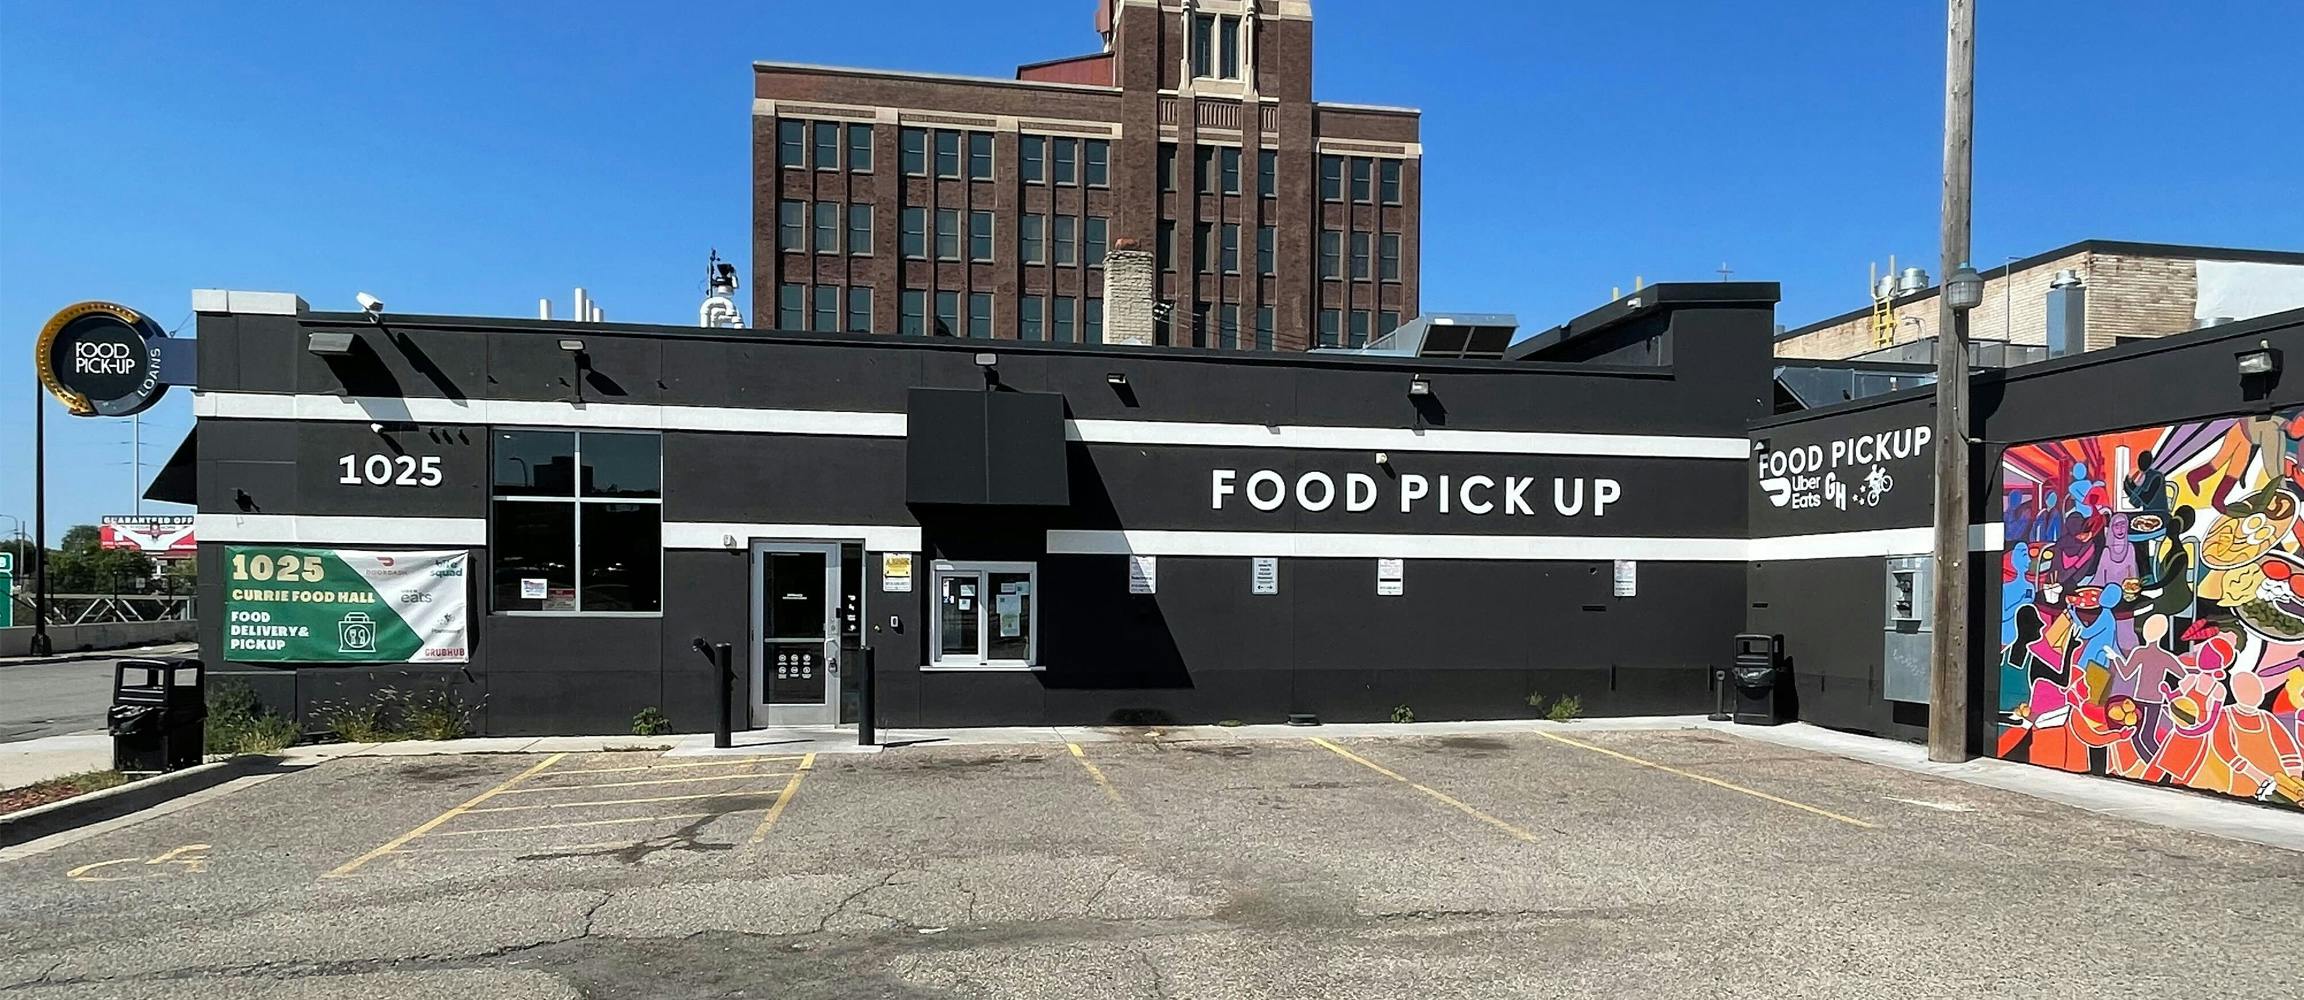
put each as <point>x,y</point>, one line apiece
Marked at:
<point>1252,870</point>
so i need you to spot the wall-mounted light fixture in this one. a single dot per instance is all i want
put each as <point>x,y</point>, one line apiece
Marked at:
<point>1383,458</point>
<point>330,345</point>
<point>572,346</point>
<point>1759,446</point>
<point>2264,359</point>
<point>1117,380</point>
<point>987,359</point>
<point>1418,385</point>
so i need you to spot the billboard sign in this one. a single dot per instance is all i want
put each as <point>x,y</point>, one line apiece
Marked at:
<point>102,359</point>
<point>161,537</point>
<point>292,605</point>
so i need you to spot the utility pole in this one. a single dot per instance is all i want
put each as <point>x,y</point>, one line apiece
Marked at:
<point>1948,674</point>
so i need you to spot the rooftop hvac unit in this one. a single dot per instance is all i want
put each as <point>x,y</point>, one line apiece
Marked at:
<point>1912,281</point>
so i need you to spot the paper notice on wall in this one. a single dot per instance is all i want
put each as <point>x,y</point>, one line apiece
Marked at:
<point>1010,608</point>
<point>1264,576</point>
<point>532,588</point>
<point>1143,574</point>
<point>967,604</point>
<point>1627,578</point>
<point>1391,577</point>
<point>896,572</point>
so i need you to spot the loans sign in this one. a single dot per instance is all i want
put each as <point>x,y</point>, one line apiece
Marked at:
<point>284,605</point>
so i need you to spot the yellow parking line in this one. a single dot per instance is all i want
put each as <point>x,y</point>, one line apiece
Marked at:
<point>1096,773</point>
<point>608,845</point>
<point>1731,786</point>
<point>783,799</point>
<point>567,826</point>
<point>661,767</point>
<point>622,802</point>
<point>1442,796</point>
<point>353,865</point>
<point>533,789</point>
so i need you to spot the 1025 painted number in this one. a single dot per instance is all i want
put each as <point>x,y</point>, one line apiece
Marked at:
<point>390,470</point>
<point>287,569</point>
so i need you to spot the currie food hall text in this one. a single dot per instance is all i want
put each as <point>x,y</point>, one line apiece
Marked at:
<point>1265,489</point>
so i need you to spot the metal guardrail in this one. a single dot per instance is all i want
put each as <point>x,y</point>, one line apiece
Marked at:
<point>107,609</point>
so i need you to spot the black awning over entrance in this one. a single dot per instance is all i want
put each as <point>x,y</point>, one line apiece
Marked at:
<point>178,481</point>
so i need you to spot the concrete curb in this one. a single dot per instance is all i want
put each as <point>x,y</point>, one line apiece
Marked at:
<point>95,807</point>
<point>82,656</point>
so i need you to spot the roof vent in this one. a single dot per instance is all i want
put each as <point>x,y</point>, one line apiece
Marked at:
<point>1912,281</point>
<point>2065,278</point>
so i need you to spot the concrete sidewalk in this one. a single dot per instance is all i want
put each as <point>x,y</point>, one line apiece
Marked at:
<point>29,761</point>
<point>76,656</point>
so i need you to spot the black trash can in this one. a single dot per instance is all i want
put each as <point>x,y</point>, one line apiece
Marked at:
<point>1761,682</point>
<point>159,714</point>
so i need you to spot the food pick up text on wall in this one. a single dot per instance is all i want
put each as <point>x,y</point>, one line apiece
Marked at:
<point>1265,489</point>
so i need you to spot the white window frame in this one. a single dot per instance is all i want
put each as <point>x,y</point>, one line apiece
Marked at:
<point>937,660</point>
<point>578,498</point>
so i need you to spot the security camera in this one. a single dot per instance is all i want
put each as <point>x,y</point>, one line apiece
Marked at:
<point>370,304</point>
<point>375,428</point>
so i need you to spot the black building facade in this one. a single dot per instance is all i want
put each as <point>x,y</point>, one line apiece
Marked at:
<point>1034,534</point>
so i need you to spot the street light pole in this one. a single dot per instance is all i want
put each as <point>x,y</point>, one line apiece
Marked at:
<point>1948,655</point>
<point>40,645</point>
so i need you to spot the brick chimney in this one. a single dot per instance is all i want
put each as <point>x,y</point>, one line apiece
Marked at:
<point>1128,293</point>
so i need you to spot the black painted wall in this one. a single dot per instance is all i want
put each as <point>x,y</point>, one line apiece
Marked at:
<point>1469,638</point>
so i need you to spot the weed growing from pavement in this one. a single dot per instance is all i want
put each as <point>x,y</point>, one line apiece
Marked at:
<point>650,721</point>
<point>1568,709</point>
<point>1402,713</point>
<point>239,724</point>
<point>392,715</point>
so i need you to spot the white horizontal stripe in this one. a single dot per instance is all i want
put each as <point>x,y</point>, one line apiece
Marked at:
<point>1404,439</point>
<point>301,528</point>
<point>509,412</point>
<point>709,534</point>
<point>1346,545</point>
<point>1857,544</point>
<point>859,423</point>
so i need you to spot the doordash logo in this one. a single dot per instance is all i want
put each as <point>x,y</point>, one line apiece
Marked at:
<point>1265,489</point>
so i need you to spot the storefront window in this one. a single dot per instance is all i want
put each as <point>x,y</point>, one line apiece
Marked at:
<point>986,616</point>
<point>575,523</point>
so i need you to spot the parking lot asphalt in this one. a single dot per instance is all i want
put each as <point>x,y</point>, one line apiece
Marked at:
<point>1592,864</point>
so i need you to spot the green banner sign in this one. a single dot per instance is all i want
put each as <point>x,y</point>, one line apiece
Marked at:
<point>285,605</point>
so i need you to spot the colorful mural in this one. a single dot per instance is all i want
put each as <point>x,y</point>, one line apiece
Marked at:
<point>2152,606</point>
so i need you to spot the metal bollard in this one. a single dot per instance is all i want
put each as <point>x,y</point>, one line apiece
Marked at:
<point>866,732</point>
<point>722,654</point>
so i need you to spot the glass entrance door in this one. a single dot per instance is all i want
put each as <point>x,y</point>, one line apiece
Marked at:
<point>795,633</point>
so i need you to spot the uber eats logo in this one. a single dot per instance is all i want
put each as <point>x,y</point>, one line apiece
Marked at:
<point>1359,492</point>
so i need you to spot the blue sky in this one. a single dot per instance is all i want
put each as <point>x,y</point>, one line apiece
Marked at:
<point>469,158</point>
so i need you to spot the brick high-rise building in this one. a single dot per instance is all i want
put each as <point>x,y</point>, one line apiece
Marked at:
<point>914,202</point>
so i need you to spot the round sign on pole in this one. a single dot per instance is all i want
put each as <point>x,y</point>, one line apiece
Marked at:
<point>102,359</point>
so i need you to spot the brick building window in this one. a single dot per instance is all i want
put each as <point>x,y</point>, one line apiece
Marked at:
<point>1331,178</point>
<point>790,143</point>
<point>1361,167</point>
<point>1200,329</point>
<point>827,145</point>
<point>912,153</point>
<point>792,226</point>
<point>1388,257</point>
<point>914,223</point>
<point>1028,310</point>
<point>1060,317</point>
<point>1359,256</point>
<point>1096,162</point>
<point>1216,46</point>
<point>827,309</point>
<point>1228,326</point>
<point>947,154</point>
<point>979,156</point>
<point>1094,228</point>
<point>860,230</point>
<point>859,309</point>
<point>1204,160</point>
<point>827,227</point>
<point>1386,322</point>
<point>860,148</point>
<point>1032,158</point>
<point>1330,323</point>
<point>979,236</point>
<point>1267,173</point>
<point>1267,249</point>
<point>912,312</point>
<point>1263,328</point>
<point>1229,159</point>
<point>1230,254</point>
<point>1064,157</point>
<point>1031,239</point>
<point>1166,246</point>
<point>791,307</point>
<point>1359,328</point>
<point>947,314</point>
<point>947,234</point>
<point>1388,181</point>
<point>980,315</point>
<point>1065,234</point>
<point>1167,166</point>
<point>1204,245</point>
<point>1092,321</point>
<point>1331,253</point>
